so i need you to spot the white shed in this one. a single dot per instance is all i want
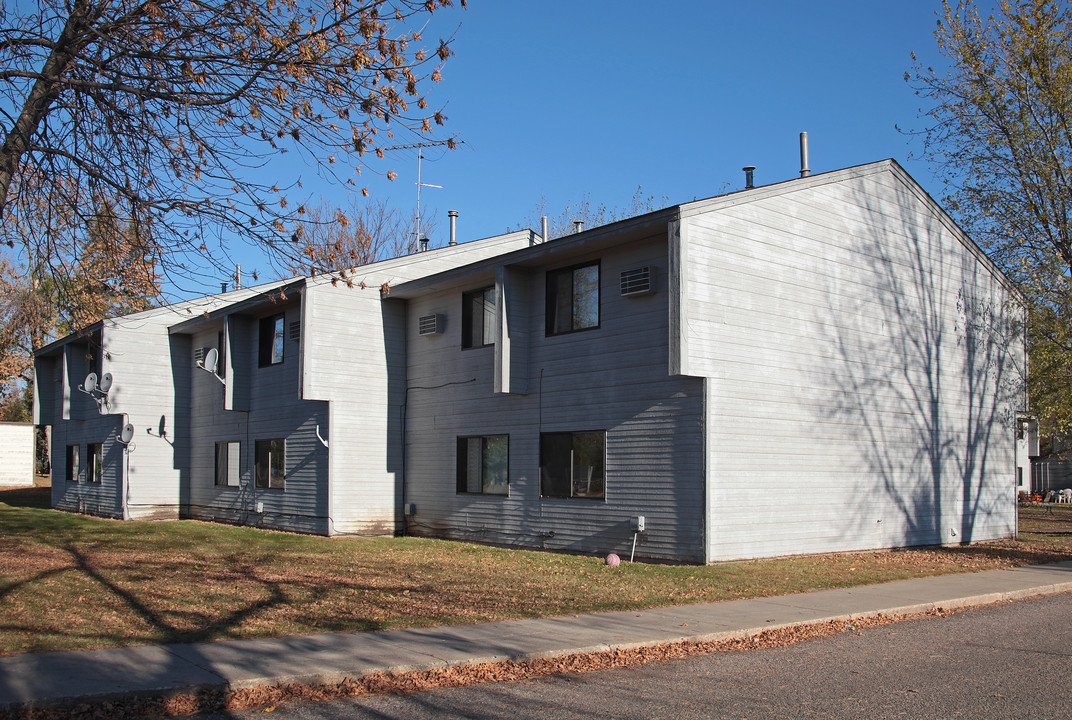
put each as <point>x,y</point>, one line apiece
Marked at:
<point>16,454</point>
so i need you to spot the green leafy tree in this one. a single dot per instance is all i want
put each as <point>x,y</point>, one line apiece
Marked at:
<point>1000,133</point>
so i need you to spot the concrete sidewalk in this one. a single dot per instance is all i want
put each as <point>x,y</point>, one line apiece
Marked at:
<point>99,675</point>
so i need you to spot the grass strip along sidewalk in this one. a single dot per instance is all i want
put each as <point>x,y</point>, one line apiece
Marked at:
<point>74,582</point>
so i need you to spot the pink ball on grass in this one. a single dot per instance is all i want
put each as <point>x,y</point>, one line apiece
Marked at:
<point>613,560</point>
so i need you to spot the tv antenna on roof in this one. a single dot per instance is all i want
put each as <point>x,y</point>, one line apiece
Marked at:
<point>420,156</point>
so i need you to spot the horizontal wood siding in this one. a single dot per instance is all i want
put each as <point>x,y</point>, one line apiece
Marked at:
<point>16,454</point>
<point>864,370</point>
<point>612,378</point>
<point>102,498</point>
<point>276,411</point>
<point>151,372</point>
<point>146,368</point>
<point>354,358</point>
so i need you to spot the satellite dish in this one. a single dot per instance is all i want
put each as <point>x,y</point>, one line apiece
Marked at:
<point>212,356</point>
<point>91,383</point>
<point>105,383</point>
<point>126,434</point>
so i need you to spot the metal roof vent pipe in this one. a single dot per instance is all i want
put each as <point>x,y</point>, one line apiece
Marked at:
<point>543,228</point>
<point>453,227</point>
<point>422,245</point>
<point>748,180</point>
<point>804,171</point>
<point>578,226</point>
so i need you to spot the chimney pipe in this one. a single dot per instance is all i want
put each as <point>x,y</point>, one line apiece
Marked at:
<point>422,245</point>
<point>804,170</point>
<point>543,228</point>
<point>223,287</point>
<point>748,170</point>
<point>453,227</point>
<point>578,226</point>
<point>238,277</point>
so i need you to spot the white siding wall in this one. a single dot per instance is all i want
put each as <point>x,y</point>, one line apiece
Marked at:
<point>16,454</point>
<point>139,354</point>
<point>612,378</point>
<point>864,370</point>
<point>354,357</point>
<point>141,357</point>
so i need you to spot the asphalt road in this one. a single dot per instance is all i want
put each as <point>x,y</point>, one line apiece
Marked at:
<point>1009,661</point>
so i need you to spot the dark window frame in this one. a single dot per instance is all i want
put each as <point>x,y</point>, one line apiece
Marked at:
<point>221,356</point>
<point>468,318</point>
<point>462,464</point>
<point>72,463</point>
<point>95,463</point>
<point>271,340</point>
<point>558,475</point>
<point>553,288</point>
<point>223,470</point>
<point>269,474</point>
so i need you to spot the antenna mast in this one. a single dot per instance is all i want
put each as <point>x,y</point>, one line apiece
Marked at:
<point>420,156</point>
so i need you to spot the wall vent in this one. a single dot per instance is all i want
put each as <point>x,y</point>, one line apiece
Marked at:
<point>295,330</point>
<point>199,355</point>
<point>636,281</point>
<point>430,324</point>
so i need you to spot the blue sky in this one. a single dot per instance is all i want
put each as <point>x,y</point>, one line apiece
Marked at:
<point>566,97</point>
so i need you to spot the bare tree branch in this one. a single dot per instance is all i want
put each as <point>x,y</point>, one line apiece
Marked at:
<point>167,108</point>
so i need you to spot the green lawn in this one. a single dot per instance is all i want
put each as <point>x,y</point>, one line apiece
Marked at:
<point>69,581</point>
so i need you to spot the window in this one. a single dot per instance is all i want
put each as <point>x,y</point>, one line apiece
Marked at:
<point>72,463</point>
<point>270,340</point>
<point>227,468</point>
<point>271,463</point>
<point>573,464</point>
<point>484,464</point>
<point>94,463</point>
<point>573,299</point>
<point>221,360</point>
<point>478,318</point>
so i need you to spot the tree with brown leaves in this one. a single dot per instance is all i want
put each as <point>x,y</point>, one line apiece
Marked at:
<point>111,271</point>
<point>168,109</point>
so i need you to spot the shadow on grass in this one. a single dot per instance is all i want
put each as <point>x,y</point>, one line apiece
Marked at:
<point>168,632</point>
<point>30,497</point>
<point>1011,555</point>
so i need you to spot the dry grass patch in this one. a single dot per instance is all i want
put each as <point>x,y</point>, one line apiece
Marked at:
<point>73,582</point>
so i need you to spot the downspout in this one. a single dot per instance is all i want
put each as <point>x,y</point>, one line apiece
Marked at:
<point>124,485</point>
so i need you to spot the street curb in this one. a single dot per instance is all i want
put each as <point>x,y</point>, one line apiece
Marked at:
<point>61,707</point>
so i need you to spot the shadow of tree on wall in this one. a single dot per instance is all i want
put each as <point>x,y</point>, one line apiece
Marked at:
<point>928,373</point>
